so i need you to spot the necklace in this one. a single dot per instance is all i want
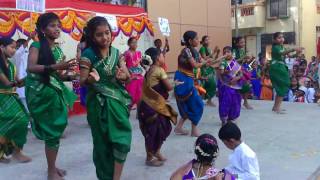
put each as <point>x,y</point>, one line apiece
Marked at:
<point>59,52</point>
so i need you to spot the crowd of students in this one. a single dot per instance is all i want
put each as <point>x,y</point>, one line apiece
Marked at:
<point>114,84</point>
<point>303,74</point>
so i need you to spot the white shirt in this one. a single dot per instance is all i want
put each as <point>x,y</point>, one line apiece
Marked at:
<point>290,62</point>
<point>20,59</point>
<point>244,163</point>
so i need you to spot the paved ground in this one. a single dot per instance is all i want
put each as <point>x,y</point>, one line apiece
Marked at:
<point>287,147</point>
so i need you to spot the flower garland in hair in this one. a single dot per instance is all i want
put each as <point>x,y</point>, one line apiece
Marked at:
<point>202,152</point>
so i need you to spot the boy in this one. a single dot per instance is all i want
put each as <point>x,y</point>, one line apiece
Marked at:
<point>243,161</point>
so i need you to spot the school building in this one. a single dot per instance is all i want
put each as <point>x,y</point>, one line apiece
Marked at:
<point>299,20</point>
<point>207,17</point>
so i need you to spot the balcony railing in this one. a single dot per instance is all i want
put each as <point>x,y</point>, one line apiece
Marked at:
<point>250,15</point>
<point>244,11</point>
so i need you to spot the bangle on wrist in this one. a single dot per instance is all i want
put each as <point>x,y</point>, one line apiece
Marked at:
<point>48,69</point>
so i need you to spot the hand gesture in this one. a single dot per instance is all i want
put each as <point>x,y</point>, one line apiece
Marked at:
<point>120,74</point>
<point>95,75</point>
<point>67,65</point>
<point>20,83</point>
<point>219,176</point>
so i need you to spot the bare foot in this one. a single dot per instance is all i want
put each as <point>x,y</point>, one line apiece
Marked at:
<point>21,158</point>
<point>279,112</point>
<point>195,133</point>
<point>54,176</point>
<point>160,157</point>
<point>61,172</point>
<point>284,110</point>
<point>4,160</point>
<point>181,132</point>
<point>154,163</point>
<point>210,103</point>
<point>247,106</point>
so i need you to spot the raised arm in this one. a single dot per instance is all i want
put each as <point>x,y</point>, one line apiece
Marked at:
<point>34,67</point>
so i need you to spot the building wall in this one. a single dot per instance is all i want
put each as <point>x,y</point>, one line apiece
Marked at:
<point>207,17</point>
<point>310,19</point>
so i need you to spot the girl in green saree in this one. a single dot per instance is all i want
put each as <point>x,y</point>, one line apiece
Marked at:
<point>279,73</point>
<point>13,115</point>
<point>47,96</point>
<point>208,72</point>
<point>104,72</point>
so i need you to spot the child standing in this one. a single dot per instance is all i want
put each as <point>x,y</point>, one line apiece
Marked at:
<point>293,90</point>
<point>13,115</point>
<point>154,114</point>
<point>279,73</point>
<point>104,72</point>
<point>240,55</point>
<point>164,50</point>
<point>243,162</point>
<point>256,79</point>
<point>229,84</point>
<point>47,96</point>
<point>133,59</point>
<point>208,72</point>
<point>266,90</point>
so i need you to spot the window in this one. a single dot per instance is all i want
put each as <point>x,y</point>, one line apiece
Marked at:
<point>278,8</point>
<point>234,1</point>
<point>135,3</point>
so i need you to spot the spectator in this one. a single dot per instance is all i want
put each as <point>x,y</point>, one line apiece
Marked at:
<point>290,62</point>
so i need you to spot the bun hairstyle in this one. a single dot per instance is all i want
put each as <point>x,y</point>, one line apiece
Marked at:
<point>91,29</point>
<point>154,53</point>
<point>4,42</point>
<point>206,148</point>
<point>187,36</point>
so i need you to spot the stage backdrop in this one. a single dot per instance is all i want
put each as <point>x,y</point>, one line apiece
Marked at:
<point>73,15</point>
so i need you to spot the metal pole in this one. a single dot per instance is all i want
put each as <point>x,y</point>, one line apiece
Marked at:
<point>236,17</point>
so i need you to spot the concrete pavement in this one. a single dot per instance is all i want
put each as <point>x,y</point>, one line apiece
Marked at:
<point>287,146</point>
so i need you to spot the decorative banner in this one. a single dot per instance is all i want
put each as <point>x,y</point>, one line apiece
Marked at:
<point>31,5</point>
<point>164,26</point>
<point>112,20</point>
<point>72,22</point>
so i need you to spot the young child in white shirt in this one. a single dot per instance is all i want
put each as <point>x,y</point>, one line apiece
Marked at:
<point>243,162</point>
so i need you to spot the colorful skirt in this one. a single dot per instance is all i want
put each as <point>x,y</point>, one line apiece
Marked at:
<point>134,88</point>
<point>13,124</point>
<point>189,102</point>
<point>256,87</point>
<point>229,103</point>
<point>111,132</point>
<point>210,84</point>
<point>279,75</point>
<point>154,127</point>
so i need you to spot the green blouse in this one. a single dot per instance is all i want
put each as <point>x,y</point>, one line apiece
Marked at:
<point>277,52</point>
<point>11,78</point>
<point>108,85</point>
